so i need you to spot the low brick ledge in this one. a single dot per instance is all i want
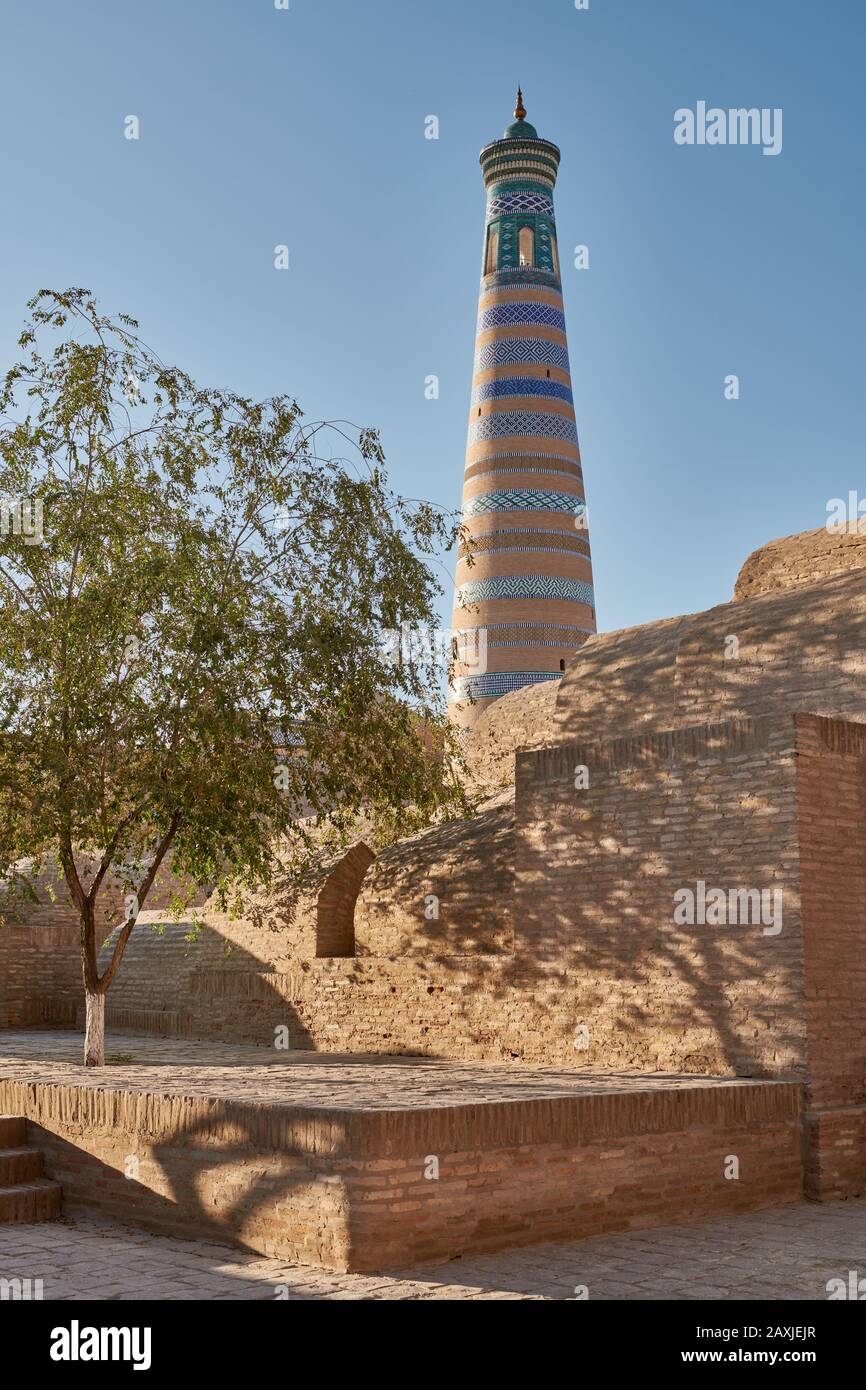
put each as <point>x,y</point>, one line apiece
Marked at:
<point>381,1132</point>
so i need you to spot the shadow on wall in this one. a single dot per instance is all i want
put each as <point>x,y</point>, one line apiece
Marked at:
<point>217,1175</point>
<point>180,979</point>
<point>216,975</point>
<point>510,963</point>
<point>799,649</point>
<point>567,921</point>
<point>445,892</point>
<point>595,940</point>
<point>595,945</point>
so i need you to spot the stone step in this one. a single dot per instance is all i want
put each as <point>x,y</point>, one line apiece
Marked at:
<point>20,1165</point>
<point>13,1131</point>
<point>30,1201</point>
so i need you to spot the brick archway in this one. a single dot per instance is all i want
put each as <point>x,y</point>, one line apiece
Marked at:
<point>335,908</point>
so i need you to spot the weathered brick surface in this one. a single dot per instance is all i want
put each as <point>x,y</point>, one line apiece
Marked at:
<point>835,1152</point>
<point>446,892</point>
<point>40,974</point>
<point>493,1198</point>
<point>25,1193</point>
<point>724,747</point>
<point>54,907</point>
<point>831,779</point>
<point>801,559</point>
<point>39,1200</point>
<point>346,1188</point>
<point>40,962</point>
<point>595,946</point>
<point>335,904</point>
<point>522,719</point>
<point>598,869</point>
<point>798,649</point>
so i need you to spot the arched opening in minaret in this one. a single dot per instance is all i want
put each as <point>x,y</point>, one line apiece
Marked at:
<point>526,246</point>
<point>554,254</point>
<point>492,258</point>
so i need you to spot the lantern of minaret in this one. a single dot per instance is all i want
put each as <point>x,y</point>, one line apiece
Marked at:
<point>525,602</point>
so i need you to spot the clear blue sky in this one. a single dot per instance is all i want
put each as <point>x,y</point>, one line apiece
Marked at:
<point>306,127</point>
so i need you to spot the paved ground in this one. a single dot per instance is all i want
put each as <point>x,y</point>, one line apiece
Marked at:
<point>788,1253</point>
<point>172,1066</point>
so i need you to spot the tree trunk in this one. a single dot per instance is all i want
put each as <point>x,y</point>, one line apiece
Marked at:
<point>94,1032</point>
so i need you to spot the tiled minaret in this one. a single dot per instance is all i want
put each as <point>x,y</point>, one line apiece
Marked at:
<point>526,602</point>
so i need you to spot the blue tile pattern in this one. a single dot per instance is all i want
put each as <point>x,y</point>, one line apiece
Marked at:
<point>505,315</point>
<point>531,183</point>
<point>526,550</point>
<point>522,500</point>
<point>537,423</point>
<point>522,386</point>
<point>519,426</point>
<point>527,531</point>
<point>515,352</point>
<point>499,464</point>
<point>502,204</point>
<point>516,276</point>
<point>498,683</point>
<point>517,282</point>
<point>511,586</point>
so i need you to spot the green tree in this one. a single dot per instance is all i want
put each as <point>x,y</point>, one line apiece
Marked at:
<point>191,584</point>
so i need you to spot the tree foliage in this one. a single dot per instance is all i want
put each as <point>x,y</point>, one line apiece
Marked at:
<point>192,654</point>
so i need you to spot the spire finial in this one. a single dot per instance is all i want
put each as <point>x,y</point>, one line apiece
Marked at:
<point>520,109</point>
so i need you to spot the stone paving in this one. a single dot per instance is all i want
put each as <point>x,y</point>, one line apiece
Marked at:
<point>171,1066</point>
<point>787,1253</point>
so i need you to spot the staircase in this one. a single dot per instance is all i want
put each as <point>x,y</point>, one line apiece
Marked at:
<point>25,1194</point>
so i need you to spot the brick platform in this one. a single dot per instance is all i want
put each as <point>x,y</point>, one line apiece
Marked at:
<point>331,1161</point>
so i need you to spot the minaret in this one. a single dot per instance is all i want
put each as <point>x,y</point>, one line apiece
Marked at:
<point>526,603</point>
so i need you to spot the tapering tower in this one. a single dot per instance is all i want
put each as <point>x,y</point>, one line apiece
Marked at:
<point>526,602</point>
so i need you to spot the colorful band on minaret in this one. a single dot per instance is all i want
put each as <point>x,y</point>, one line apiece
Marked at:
<point>525,603</point>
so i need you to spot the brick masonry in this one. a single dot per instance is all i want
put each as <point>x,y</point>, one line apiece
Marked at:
<point>831,777</point>
<point>40,975</point>
<point>803,559</point>
<point>351,1186</point>
<point>740,765</point>
<point>40,963</point>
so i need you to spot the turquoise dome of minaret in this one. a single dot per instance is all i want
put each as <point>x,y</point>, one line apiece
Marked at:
<point>520,129</point>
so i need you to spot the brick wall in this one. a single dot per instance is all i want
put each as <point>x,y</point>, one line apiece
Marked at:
<point>445,892</point>
<point>547,1170</point>
<point>597,873</point>
<point>595,945</point>
<point>800,649</point>
<point>831,778</point>
<point>54,907</point>
<point>40,957</point>
<point>335,904</point>
<point>801,559</point>
<point>521,719</point>
<point>264,1177</point>
<point>702,767</point>
<point>40,975</point>
<point>347,1188</point>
